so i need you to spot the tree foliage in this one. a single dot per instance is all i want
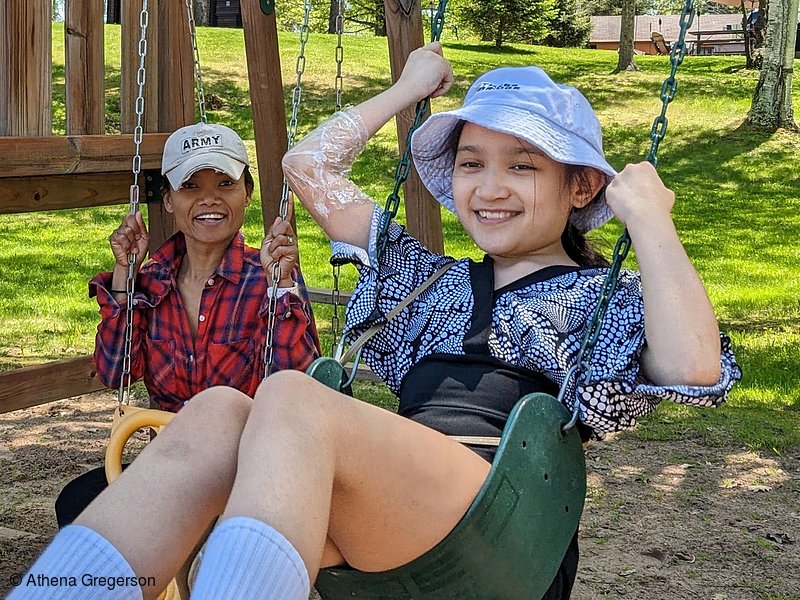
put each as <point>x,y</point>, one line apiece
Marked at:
<point>290,14</point>
<point>650,7</point>
<point>504,21</point>
<point>571,27</point>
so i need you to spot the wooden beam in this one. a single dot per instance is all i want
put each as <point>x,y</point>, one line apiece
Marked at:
<point>404,30</point>
<point>25,67</point>
<point>55,192</point>
<point>40,384</point>
<point>323,296</point>
<point>85,69</point>
<point>58,155</point>
<point>57,380</point>
<point>266,98</point>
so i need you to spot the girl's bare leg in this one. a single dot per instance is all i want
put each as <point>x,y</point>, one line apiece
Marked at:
<point>317,465</point>
<point>156,511</point>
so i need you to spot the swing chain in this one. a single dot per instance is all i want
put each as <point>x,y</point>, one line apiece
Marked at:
<point>404,165</point>
<point>670,85</point>
<point>136,166</point>
<point>336,302</point>
<point>339,82</point>
<point>283,210</point>
<point>339,87</point>
<point>198,79</point>
<point>583,366</point>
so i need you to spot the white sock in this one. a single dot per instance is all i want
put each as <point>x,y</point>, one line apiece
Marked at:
<point>70,568</point>
<point>246,558</point>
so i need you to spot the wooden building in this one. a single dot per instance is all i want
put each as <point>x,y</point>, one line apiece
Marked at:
<point>221,13</point>
<point>226,13</point>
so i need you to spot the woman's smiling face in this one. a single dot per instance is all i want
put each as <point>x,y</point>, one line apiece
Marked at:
<point>510,197</point>
<point>209,206</point>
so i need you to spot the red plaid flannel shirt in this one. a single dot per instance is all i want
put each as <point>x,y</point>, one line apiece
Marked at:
<point>231,332</point>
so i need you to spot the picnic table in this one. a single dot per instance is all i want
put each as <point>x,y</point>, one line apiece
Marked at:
<point>721,41</point>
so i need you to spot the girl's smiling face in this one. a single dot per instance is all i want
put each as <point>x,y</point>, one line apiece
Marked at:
<point>512,199</point>
<point>209,206</point>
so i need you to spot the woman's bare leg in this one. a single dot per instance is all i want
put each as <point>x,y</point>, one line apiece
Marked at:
<point>315,464</point>
<point>163,502</point>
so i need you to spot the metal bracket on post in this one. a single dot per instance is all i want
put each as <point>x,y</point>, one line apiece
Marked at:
<point>267,6</point>
<point>152,185</point>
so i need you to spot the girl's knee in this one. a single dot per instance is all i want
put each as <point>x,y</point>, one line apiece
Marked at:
<point>218,403</point>
<point>290,396</point>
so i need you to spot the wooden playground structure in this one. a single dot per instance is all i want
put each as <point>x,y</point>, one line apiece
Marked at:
<point>86,168</point>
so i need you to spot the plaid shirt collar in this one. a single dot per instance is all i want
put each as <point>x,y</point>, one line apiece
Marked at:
<point>164,264</point>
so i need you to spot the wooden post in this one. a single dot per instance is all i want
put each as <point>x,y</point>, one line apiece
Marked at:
<point>25,67</point>
<point>404,30</point>
<point>266,98</point>
<point>85,68</point>
<point>131,32</point>
<point>175,95</point>
<point>175,67</point>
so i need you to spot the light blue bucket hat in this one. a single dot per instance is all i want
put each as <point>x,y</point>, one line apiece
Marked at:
<point>526,103</point>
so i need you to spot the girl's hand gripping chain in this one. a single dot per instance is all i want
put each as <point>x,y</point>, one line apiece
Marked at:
<point>130,237</point>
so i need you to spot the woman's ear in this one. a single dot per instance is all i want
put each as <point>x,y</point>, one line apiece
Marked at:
<point>166,198</point>
<point>587,186</point>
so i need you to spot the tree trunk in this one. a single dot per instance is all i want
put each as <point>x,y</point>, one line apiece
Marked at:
<point>761,24</point>
<point>380,19</point>
<point>498,35</point>
<point>202,12</point>
<point>333,10</point>
<point>772,100</point>
<point>626,35</point>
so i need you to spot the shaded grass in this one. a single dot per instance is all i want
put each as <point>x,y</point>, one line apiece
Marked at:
<point>737,209</point>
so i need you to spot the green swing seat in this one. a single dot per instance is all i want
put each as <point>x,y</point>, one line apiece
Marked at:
<point>512,539</point>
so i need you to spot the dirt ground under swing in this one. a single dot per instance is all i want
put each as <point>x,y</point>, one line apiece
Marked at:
<point>674,519</point>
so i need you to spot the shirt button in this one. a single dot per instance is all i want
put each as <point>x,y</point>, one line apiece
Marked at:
<point>287,315</point>
<point>211,281</point>
<point>202,318</point>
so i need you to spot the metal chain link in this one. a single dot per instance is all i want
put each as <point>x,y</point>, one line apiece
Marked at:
<point>283,209</point>
<point>339,83</point>
<point>404,165</point>
<point>583,367</point>
<point>339,87</point>
<point>198,79</point>
<point>136,166</point>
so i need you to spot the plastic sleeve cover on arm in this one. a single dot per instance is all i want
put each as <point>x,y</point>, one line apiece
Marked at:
<point>318,167</point>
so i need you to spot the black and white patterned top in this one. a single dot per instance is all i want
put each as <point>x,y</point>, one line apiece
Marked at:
<point>537,323</point>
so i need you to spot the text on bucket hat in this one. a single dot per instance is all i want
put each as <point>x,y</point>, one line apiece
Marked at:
<point>203,146</point>
<point>526,103</point>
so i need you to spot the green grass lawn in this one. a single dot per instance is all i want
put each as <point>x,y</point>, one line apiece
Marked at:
<point>738,207</point>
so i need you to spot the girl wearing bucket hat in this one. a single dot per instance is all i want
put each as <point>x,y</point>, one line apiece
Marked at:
<point>305,477</point>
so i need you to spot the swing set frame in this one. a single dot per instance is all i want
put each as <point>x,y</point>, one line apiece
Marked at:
<point>86,168</point>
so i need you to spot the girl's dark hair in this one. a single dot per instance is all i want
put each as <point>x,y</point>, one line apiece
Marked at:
<point>577,247</point>
<point>249,182</point>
